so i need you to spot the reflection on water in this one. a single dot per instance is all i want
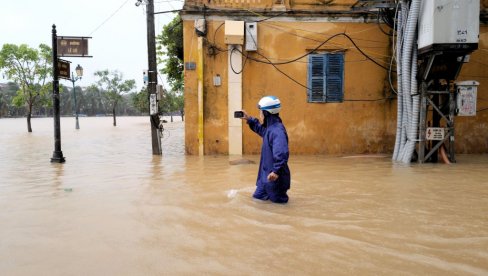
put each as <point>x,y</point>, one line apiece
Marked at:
<point>115,209</point>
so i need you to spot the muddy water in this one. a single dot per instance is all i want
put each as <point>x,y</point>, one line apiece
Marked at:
<point>114,209</point>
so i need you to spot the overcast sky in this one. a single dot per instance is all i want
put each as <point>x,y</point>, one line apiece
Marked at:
<point>117,27</point>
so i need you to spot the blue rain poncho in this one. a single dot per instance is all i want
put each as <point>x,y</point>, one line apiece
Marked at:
<point>274,158</point>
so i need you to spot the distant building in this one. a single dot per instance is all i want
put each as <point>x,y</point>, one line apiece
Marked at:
<point>328,63</point>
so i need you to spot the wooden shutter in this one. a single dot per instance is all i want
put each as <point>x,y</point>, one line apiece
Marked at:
<point>334,77</point>
<point>316,78</point>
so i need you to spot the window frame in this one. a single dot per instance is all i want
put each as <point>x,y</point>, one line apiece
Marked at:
<point>325,78</point>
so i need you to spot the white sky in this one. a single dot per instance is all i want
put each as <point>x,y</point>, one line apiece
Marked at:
<point>119,44</point>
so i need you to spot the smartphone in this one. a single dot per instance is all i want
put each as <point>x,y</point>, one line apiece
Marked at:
<point>238,114</point>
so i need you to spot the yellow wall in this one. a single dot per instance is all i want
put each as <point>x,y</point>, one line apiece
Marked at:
<point>472,132</point>
<point>314,128</point>
<point>348,127</point>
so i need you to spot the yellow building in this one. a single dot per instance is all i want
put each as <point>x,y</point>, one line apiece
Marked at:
<point>348,108</point>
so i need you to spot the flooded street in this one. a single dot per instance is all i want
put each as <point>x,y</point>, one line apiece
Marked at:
<point>115,209</point>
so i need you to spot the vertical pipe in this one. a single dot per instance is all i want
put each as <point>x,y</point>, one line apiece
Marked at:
<point>452,108</point>
<point>422,122</point>
<point>200,94</point>
<point>399,84</point>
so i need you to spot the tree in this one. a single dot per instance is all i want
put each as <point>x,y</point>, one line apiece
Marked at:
<point>29,68</point>
<point>114,86</point>
<point>171,103</point>
<point>7,93</point>
<point>170,52</point>
<point>140,101</point>
<point>180,105</point>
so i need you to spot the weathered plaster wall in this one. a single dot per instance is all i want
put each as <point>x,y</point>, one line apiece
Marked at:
<point>472,132</point>
<point>348,127</point>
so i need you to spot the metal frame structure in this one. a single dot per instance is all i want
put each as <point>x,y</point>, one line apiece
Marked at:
<point>442,100</point>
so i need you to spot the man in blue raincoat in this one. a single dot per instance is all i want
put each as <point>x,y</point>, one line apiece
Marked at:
<point>274,175</point>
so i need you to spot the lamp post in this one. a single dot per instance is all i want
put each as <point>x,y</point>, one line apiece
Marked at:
<point>79,74</point>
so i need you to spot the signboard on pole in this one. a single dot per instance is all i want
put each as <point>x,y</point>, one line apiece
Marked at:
<point>63,69</point>
<point>72,46</point>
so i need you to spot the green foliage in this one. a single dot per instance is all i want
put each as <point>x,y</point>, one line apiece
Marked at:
<point>30,69</point>
<point>140,101</point>
<point>7,93</point>
<point>114,85</point>
<point>171,102</point>
<point>170,52</point>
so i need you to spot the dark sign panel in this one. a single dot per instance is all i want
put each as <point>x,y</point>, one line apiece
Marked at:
<point>72,46</point>
<point>63,69</point>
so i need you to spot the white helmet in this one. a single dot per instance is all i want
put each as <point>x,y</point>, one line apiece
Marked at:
<point>270,104</point>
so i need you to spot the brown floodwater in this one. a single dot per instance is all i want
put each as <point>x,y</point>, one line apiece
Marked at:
<point>115,209</point>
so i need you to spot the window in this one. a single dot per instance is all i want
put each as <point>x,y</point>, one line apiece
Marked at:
<point>325,78</point>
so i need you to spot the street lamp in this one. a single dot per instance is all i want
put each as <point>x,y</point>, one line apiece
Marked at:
<point>79,74</point>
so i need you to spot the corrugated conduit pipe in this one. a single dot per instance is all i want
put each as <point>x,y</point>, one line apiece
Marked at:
<point>412,132</point>
<point>406,122</point>
<point>399,42</point>
<point>409,81</point>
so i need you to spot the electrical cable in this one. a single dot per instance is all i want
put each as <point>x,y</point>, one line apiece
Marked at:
<point>215,32</point>
<point>232,67</point>
<point>325,34</point>
<point>280,14</point>
<point>308,88</point>
<point>379,24</point>
<point>394,49</point>
<point>315,49</point>
<point>108,18</point>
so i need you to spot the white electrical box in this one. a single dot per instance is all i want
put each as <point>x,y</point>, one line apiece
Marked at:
<point>234,32</point>
<point>251,36</point>
<point>448,25</point>
<point>466,98</point>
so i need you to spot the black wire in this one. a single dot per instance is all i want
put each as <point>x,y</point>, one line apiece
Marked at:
<point>215,33</point>
<point>379,24</point>
<point>297,82</point>
<point>168,11</point>
<point>174,26</point>
<point>273,16</point>
<point>483,109</point>
<point>316,48</point>
<point>232,67</point>
<point>309,31</point>
<point>294,34</point>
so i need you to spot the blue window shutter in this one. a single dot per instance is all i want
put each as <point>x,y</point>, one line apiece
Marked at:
<point>334,77</point>
<point>316,78</point>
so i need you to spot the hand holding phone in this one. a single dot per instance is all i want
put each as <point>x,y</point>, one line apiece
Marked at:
<point>238,114</point>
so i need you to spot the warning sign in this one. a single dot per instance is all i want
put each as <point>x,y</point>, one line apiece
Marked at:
<point>435,133</point>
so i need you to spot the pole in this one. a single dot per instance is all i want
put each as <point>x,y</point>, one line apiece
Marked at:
<point>57,154</point>
<point>423,118</point>
<point>200,95</point>
<point>452,109</point>
<point>152,76</point>
<point>74,95</point>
